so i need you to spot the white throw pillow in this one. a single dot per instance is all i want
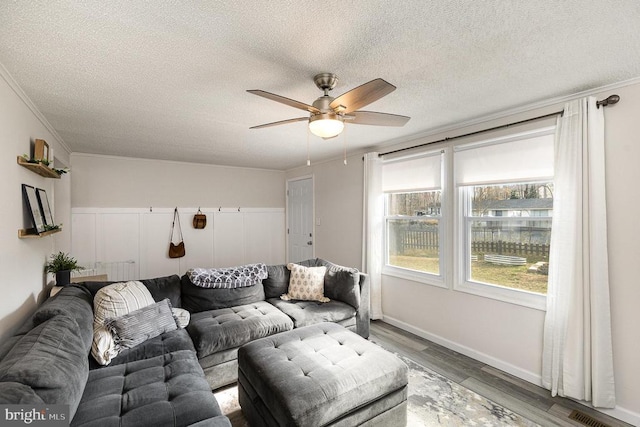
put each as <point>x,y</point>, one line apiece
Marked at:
<point>112,301</point>
<point>306,283</point>
<point>182,317</point>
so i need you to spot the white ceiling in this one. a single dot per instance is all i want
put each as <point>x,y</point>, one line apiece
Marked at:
<point>168,79</point>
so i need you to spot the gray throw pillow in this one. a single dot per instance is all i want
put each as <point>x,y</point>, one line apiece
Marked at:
<point>140,325</point>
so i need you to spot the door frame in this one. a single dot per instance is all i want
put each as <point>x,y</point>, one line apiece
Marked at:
<point>313,212</point>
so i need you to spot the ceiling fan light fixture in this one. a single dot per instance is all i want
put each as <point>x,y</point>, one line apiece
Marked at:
<point>326,125</point>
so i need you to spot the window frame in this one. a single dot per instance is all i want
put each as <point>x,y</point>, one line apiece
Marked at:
<point>440,279</point>
<point>462,261</point>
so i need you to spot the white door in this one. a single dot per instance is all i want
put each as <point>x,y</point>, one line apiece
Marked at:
<point>300,219</point>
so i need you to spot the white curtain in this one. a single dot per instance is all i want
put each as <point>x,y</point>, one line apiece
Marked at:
<point>373,212</point>
<point>577,356</point>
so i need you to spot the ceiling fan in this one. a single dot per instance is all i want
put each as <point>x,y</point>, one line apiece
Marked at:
<point>328,114</point>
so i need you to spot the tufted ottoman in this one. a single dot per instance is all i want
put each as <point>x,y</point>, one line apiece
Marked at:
<point>321,375</point>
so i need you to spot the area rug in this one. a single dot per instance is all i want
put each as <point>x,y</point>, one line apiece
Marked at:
<point>433,401</point>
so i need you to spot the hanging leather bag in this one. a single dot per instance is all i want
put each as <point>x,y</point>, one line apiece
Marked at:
<point>199,220</point>
<point>176,250</point>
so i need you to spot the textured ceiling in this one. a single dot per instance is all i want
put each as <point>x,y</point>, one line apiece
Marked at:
<point>168,79</point>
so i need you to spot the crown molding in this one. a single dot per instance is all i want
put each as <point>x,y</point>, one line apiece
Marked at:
<point>7,77</point>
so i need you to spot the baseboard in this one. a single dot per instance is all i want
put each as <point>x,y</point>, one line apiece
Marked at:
<point>618,412</point>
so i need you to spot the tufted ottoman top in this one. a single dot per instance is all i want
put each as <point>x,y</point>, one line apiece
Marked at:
<point>316,374</point>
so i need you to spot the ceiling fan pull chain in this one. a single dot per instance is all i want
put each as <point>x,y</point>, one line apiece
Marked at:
<point>308,155</point>
<point>344,141</point>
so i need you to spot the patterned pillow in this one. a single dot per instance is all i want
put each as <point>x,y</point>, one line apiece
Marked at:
<point>112,301</point>
<point>140,325</point>
<point>306,283</point>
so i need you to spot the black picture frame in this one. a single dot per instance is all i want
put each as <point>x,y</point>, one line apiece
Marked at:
<point>35,213</point>
<point>45,208</point>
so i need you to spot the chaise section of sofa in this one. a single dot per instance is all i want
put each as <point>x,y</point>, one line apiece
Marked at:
<point>159,382</point>
<point>167,390</point>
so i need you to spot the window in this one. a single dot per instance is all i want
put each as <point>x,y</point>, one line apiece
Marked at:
<point>413,217</point>
<point>490,227</point>
<point>505,205</point>
<point>507,250</point>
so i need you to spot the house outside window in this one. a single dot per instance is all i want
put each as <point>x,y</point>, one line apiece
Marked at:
<point>511,249</point>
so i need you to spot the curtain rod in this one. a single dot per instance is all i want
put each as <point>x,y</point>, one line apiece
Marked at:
<point>610,100</point>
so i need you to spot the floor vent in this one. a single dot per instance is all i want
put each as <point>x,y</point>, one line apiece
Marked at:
<point>587,420</point>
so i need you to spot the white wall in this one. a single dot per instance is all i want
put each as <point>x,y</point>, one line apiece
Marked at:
<point>338,208</point>
<point>112,198</point>
<point>505,335</point>
<point>22,280</point>
<point>106,181</point>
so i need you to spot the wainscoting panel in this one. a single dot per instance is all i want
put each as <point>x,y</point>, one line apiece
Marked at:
<point>228,238</point>
<point>154,259</point>
<point>232,236</point>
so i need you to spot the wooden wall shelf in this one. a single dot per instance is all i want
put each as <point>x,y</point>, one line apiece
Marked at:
<point>25,234</point>
<point>38,168</point>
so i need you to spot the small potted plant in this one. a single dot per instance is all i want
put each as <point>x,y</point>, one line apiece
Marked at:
<point>62,265</point>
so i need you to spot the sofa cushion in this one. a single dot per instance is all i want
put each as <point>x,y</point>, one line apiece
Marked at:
<point>305,283</point>
<point>16,393</point>
<point>157,346</point>
<point>73,301</point>
<point>305,313</point>
<point>217,330</point>
<point>165,287</point>
<point>168,390</point>
<point>52,360</point>
<point>196,299</point>
<point>140,325</point>
<point>160,288</point>
<point>277,281</point>
<point>341,283</point>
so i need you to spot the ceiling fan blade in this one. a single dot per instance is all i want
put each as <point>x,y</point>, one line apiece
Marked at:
<point>376,119</point>
<point>282,122</point>
<point>281,99</point>
<point>362,95</point>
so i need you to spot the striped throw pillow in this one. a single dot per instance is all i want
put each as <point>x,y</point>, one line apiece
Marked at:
<point>140,325</point>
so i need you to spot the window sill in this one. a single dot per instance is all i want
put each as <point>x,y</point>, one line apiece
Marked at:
<point>414,276</point>
<point>512,296</point>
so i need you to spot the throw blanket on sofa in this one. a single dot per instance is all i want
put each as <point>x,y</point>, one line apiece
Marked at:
<point>228,278</point>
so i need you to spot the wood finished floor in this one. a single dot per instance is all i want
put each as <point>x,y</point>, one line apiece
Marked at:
<point>521,397</point>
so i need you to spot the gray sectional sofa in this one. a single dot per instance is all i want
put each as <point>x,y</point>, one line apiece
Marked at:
<point>222,320</point>
<point>166,380</point>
